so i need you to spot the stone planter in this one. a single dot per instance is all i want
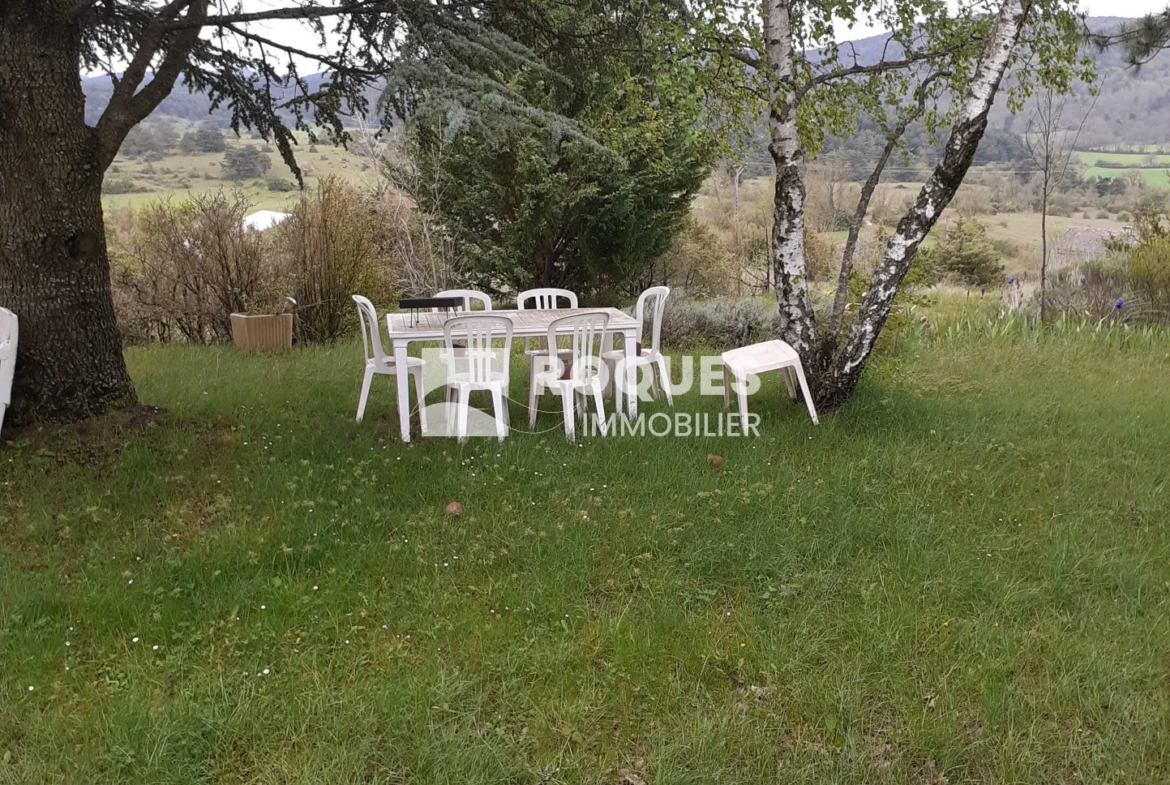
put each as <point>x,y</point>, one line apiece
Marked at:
<point>262,333</point>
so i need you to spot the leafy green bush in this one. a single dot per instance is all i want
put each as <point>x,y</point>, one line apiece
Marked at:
<point>1149,266</point>
<point>966,254</point>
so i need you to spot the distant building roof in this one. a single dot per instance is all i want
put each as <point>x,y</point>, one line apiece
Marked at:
<point>264,219</point>
<point>1080,244</point>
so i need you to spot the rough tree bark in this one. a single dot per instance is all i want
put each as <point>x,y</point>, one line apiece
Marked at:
<point>798,321</point>
<point>54,271</point>
<point>935,195</point>
<point>54,267</point>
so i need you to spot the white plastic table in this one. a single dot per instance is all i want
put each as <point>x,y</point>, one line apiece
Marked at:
<point>759,358</point>
<point>406,328</point>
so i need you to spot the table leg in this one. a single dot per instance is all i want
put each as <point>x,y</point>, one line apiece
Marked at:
<point>403,378</point>
<point>631,346</point>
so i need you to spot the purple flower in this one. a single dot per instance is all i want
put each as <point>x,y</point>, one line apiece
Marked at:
<point>1012,280</point>
<point>982,290</point>
<point>1119,304</point>
<point>1082,280</point>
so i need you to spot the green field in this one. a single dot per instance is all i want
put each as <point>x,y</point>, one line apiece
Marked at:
<point>961,578</point>
<point>1155,168</point>
<point>179,176</point>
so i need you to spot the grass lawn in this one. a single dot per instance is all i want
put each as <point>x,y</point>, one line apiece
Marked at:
<point>963,577</point>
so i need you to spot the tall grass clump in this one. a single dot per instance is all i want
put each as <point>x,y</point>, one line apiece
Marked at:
<point>332,247</point>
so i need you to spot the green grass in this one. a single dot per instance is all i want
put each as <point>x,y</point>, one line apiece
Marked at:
<point>963,574</point>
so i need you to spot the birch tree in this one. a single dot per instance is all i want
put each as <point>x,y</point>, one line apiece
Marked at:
<point>814,84</point>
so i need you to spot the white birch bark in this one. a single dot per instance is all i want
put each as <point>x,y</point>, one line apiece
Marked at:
<point>798,322</point>
<point>935,195</point>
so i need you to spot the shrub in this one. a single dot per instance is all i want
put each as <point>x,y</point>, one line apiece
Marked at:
<point>819,255</point>
<point>333,246</point>
<point>244,162</point>
<point>280,185</point>
<point>722,323</point>
<point>206,139</point>
<point>185,268</point>
<point>695,264</point>
<point>1149,275</point>
<point>122,185</point>
<point>966,254</point>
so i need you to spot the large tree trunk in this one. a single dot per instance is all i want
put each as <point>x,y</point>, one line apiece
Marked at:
<point>54,271</point>
<point>798,321</point>
<point>935,195</point>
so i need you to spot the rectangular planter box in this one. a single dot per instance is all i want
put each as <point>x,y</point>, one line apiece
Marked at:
<point>262,333</point>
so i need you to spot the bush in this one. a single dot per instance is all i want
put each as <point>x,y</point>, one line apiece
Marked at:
<point>695,264</point>
<point>334,246</point>
<point>206,139</point>
<point>966,254</point>
<point>245,162</point>
<point>122,185</point>
<point>185,268</point>
<point>721,324</point>
<point>1149,275</point>
<point>280,185</point>
<point>819,255</point>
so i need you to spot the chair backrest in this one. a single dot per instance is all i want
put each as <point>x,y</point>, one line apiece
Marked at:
<point>371,336</point>
<point>586,333</point>
<point>479,355</point>
<point>9,325</point>
<point>544,299</point>
<point>468,295</point>
<point>654,301</point>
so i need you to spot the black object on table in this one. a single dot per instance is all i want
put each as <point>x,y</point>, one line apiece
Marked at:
<point>417,304</point>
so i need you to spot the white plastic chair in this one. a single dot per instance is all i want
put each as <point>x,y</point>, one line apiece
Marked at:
<point>9,325</point>
<point>377,361</point>
<point>541,300</point>
<point>653,300</point>
<point>587,333</point>
<point>479,365</point>
<point>468,296</point>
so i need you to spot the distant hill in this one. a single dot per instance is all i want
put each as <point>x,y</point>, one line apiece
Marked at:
<point>1133,108</point>
<point>182,104</point>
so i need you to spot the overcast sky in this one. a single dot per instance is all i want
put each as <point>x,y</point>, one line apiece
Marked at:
<point>1125,8</point>
<point>296,34</point>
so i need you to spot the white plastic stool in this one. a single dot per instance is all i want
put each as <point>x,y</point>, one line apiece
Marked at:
<point>759,358</point>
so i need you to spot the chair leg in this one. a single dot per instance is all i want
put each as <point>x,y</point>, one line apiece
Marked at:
<point>600,401</point>
<point>500,410</point>
<point>464,406</point>
<point>420,392</point>
<point>617,389</point>
<point>653,381</point>
<point>532,395</point>
<point>743,409</point>
<point>661,363</point>
<point>369,377</point>
<point>507,407</point>
<point>567,404</point>
<point>726,388</point>
<point>787,373</point>
<point>812,412</point>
